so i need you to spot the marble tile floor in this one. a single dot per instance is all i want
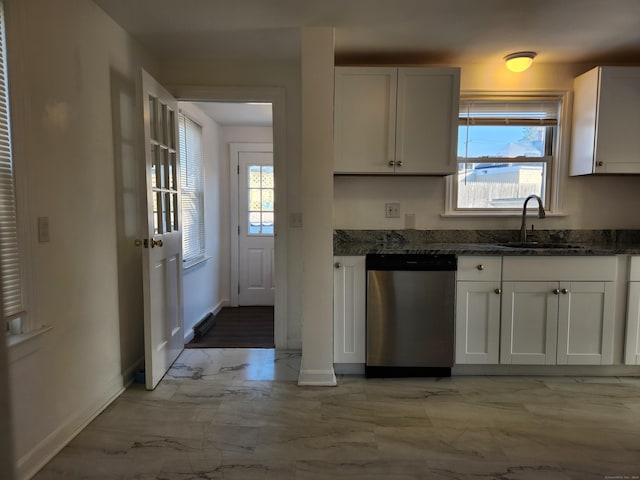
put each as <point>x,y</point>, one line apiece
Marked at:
<point>238,414</point>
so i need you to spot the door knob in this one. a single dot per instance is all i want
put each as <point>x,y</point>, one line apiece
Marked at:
<point>156,243</point>
<point>137,242</point>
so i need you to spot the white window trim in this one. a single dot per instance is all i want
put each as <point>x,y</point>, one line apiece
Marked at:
<point>558,171</point>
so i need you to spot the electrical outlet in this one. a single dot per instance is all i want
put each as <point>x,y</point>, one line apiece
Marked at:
<point>392,210</point>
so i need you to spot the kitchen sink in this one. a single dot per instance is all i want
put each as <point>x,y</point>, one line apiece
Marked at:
<point>569,246</point>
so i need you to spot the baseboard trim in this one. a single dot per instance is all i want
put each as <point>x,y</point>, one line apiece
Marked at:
<point>317,378</point>
<point>33,461</point>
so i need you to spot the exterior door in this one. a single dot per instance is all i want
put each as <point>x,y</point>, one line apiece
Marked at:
<point>162,236</point>
<point>256,192</point>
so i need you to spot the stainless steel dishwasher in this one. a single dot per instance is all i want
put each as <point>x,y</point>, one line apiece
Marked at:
<point>410,315</point>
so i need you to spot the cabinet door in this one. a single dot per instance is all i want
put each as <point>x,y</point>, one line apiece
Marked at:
<point>364,119</point>
<point>632,345</point>
<point>606,117</point>
<point>477,322</point>
<point>585,323</point>
<point>529,323</point>
<point>349,290</point>
<point>427,122</point>
<point>618,142</point>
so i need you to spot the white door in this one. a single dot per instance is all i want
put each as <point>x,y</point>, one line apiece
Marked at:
<point>162,237</point>
<point>256,192</point>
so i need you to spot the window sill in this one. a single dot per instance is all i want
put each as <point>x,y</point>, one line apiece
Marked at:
<point>194,262</point>
<point>489,214</point>
<point>24,344</point>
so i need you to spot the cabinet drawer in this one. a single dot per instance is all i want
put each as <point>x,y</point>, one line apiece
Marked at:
<point>558,268</point>
<point>479,269</point>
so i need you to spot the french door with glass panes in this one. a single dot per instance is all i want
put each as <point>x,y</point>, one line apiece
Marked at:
<point>161,240</point>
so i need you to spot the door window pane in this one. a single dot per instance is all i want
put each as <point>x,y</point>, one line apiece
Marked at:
<point>261,199</point>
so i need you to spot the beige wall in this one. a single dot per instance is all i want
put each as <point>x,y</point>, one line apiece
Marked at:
<point>586,202</point>
<point>69,68</point>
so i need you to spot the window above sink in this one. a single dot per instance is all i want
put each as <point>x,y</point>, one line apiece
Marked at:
<point>507,150</point>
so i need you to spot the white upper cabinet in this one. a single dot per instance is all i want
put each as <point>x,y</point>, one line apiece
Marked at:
<point>396,120</point>
<point>606,121</point>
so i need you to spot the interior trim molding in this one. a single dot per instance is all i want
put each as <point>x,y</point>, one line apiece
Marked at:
<point>317,378</point>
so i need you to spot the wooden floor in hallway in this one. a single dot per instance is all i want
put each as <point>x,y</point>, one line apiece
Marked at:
<point>239,327</point>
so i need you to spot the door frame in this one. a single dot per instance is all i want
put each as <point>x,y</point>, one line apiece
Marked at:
<point>234,179</point>
<point>277,97</point>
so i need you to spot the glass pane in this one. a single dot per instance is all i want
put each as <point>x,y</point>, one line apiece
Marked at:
<point>254,199</point>
<point>162,123</point>
<point>157,213</point>
<point>154,166</point>
<point>267,200</point>
<point>171,140</point>
<point>254,176</point>
<point>267,177</point>
<point>499,185</point>
<point>172,171</point>
<point>267,223</point>
<point>254,223</point>
<point>477,141</point>
<point>162,173</point>
<point>153,118</point>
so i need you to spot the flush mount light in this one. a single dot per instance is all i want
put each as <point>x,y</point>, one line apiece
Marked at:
<point>519,61</point>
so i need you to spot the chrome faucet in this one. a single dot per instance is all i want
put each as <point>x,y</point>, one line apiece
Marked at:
<point>541,214</point>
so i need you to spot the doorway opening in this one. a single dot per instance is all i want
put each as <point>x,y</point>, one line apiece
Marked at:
<point>241,213</point>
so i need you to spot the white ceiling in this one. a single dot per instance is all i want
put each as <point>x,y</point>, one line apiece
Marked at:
<point>238,114</point>
<point>418,31</point>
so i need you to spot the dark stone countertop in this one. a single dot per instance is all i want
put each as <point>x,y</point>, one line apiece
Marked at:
<point>496,242</point>
<point>356,248</point>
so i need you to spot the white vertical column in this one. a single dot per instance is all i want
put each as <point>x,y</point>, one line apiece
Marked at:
<point>317,67</point>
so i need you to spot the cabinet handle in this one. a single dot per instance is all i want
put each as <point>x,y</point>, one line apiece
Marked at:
<point>555,291</point>
<point>399,163</point>
<point>480,267</point>
<point>600,163</point>
<point>337,265</point>
<point>498,291</point>
<point>564,291</point>
<point>391,163</point>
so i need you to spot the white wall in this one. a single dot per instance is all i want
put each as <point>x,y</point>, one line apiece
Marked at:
<point>80,172</point>
<point>588,202</point>
<point>205,288</point>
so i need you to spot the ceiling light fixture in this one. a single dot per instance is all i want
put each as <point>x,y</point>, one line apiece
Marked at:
<point>519,61</point>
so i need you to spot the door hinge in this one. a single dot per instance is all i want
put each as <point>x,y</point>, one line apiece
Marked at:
<point>238,169</point>
<point>238,229</point>
<point>238,289</point>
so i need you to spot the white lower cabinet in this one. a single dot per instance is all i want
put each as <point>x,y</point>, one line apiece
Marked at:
<point>563,322</point>
<point>477,322</point>
<point>349,304</point>
<point>632,343</point>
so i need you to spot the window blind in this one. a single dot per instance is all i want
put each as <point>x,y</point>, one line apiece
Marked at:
<point>513,112</point>
<point>192,182</point>
<point>9,251</point>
